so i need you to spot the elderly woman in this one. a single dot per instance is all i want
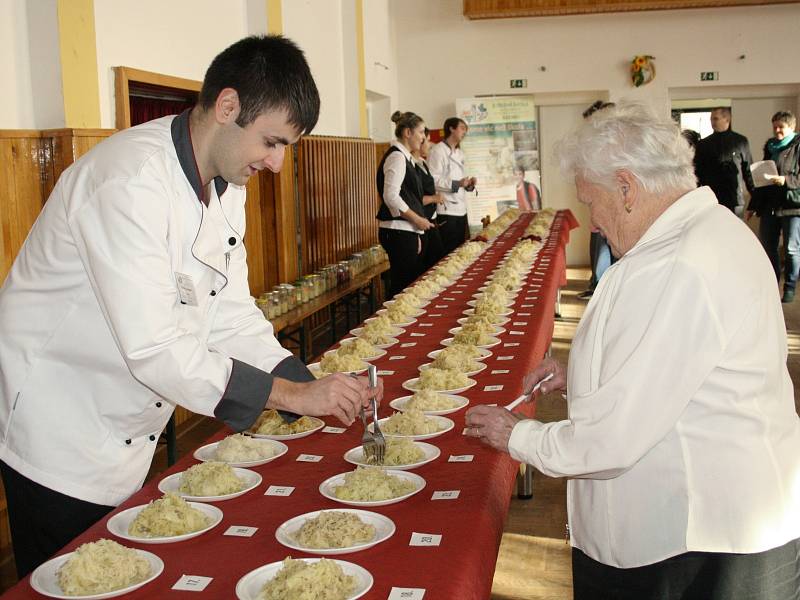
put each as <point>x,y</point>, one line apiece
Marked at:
<point>682,443</point>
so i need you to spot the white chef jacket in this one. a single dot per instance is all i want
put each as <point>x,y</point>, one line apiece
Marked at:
<point>447,167</point>
<point>394,172</point>
<point>682,432</point>
<point>98,343</point>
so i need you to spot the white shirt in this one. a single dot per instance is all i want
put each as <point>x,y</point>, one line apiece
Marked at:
<point>394,172</point>
<point>682,432</point>
<point>447,167</point>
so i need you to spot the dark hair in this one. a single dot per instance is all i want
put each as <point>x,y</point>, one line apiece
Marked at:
<point>784,117</point>
<point>691,136</point>
<point>269,73</point>
<point>596,105</point>
<point>403,121</point>
<point>451,124</point>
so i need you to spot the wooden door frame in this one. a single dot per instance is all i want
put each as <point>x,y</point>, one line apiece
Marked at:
<point>123,76</point>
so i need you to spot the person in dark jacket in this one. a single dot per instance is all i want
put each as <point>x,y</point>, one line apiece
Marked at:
<point>401,217</point>
<point>432,245</point>
<point>778,205</point>
<point>722,162</point>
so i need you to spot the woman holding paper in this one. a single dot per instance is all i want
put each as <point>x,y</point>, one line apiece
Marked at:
<point>778,204</point>
<point>682,443</point>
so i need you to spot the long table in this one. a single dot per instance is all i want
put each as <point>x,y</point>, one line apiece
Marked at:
<point>471,525</point>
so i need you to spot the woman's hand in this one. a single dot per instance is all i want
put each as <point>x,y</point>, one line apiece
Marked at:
<point>492,425</point>
<point>545,368</point>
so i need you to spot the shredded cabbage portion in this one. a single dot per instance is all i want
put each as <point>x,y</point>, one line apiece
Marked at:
<point>335,362</point>
<point>242,448</point>
<point>102,566</point>
<point>210,479</point>
<point>299,580</point>
<point>440,379</point>
<point>367,484</point>
<point>334,529</point>
<point>168,516</point>
<point>270,422</point>
<point>430,400</point>
<point>399,452</point>
<point>410,422</point>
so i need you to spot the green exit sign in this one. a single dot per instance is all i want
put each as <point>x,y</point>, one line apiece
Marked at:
<point>519,83</point>
<point>709,76</point>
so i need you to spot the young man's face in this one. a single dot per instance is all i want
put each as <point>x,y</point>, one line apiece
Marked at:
<point>243,151</point>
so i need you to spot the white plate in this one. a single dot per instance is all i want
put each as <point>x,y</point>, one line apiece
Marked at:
<point>119,523</point>
<point>502,313</point>
<point>445,424</point>
<point>249,587</point>
<point>495,341</point>
<point>400,404</point>
<point>409,320</point>
<point>508,303</point>
<point>497,330</point>
<point>206,453</point>
<point>173,482</point>
<point>356,456</point>
<point>384,529</point>
<point>413,311</point>
<point>481,367</point>
<point>423,304</point>
<point>45,578</point>
<point>318,424</point>
<point>512,292</point>
<point>501,321</point>
<point>412,386</point>
<point>327,486</point>
<point>317,372</point>
<point>483,353</point>
<point>376,356</point>
<point>393,332</point>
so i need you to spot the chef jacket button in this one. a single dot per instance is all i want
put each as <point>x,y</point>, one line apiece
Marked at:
<point>158,404</point>
<point>128,442</point>
<point>213,292</point>
<point>152,438</point>
<point>232,241</point>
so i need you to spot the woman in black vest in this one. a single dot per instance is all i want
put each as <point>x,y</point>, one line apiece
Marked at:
<point>401,218</point>
<point>432,246</point>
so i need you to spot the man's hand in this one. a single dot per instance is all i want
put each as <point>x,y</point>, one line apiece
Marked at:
<point>338,395</point>
<point>492,425</point>
<point>777,179</point>
<point>547,366</point>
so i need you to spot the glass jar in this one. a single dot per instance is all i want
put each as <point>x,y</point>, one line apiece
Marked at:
<point>301,291</point>
<point>279,294</point>
<point>308,286</point>
<point>275,305</point>
<point>316,281</point>
<point>291,299</point>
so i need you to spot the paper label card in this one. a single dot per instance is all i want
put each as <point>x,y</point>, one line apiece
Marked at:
<point>309,458</point>
<point>498,372</point>
<point>505,358</point>
<point>521,314</point>
<point>519,323</point>
<point>192,583</point>
<point>408,344</point>
<point>279,490</point>
<point>492,388</point>
<point>384,372</point>
<point>241,531</point>
<point>398,593</point>
<point>526,305</point>
<point>329,429</point>
<point>435,314</point>
<point>511,344</point>
<point>461,458</point>
<point>417,334</point>
<point>442,305</point>
<point>425,325</point>
<point>516,332</point>
<point>425,539</point>
<point>397,358</point>
<point>446,495</point>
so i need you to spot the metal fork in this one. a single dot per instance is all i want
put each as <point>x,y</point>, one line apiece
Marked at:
<point>377,434</point>
<point>367,438</point>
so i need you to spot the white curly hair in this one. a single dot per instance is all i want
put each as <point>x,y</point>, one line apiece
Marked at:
<point>629,136</point>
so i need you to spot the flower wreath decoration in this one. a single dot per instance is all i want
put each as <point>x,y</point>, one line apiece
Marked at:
<point>643,70</point>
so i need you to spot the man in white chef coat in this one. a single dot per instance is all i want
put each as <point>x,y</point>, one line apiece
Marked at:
<point>130,297</point>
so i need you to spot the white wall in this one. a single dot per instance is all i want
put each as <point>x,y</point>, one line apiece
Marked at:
<point>380,51</point>
<point>443,56</point>
<point>181,42</point>
<point>752,118</point>
<point>316,25</point>
<point>32,98</point>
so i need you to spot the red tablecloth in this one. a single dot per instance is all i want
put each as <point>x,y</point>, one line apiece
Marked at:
<point>471,526</point>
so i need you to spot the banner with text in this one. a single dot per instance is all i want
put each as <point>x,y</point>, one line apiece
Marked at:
<point>502,151</point>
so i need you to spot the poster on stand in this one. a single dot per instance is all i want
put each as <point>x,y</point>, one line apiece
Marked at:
<point>502,151</point>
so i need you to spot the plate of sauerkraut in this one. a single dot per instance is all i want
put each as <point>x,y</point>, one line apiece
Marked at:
<point>430,403</point>
<point>469,368</point>
<point>335,531</point>
<point>301,578</point>
<point>481,341</point>
<point>414,424</point>
<point>401,453</point>
<point>166,520</point>
<point>371,486</point>
<point>96,570</point>
<point>271,425</point>
<point>439,380</point>
<point>210,482</point>
<point>478,354</point>
<point>240,450</point>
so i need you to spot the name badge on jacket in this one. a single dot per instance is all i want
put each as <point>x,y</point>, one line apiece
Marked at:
<point>186,289</point>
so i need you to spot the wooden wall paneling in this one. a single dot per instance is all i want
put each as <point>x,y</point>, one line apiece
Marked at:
<point>254,237</point>
<point>269,228</point>
<point>286,226</point>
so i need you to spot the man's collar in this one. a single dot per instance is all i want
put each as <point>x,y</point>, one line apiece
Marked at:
<point>182,139</point>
